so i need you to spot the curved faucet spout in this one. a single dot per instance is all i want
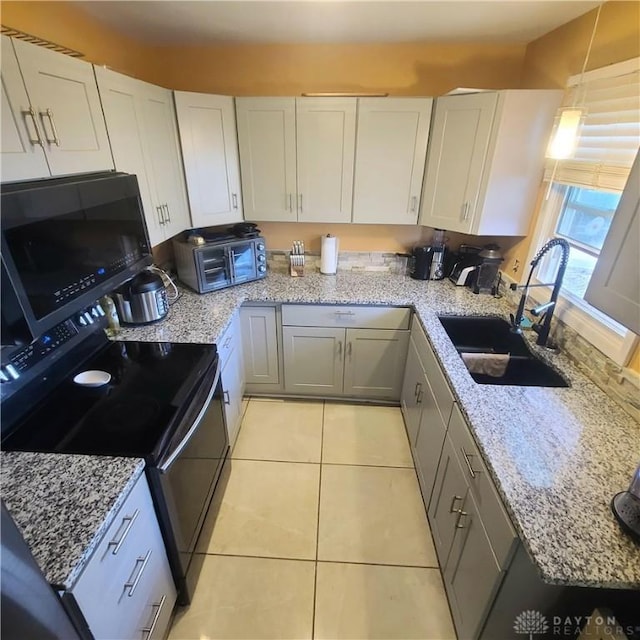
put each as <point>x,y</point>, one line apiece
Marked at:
<point>543,331</point>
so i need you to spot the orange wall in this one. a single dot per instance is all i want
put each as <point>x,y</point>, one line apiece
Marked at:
<point>406,69</point>
<point>65,24</point>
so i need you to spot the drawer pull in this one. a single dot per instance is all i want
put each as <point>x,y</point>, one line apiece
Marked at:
<point>132,584</point>
<point>343,313</point>
<point>461,514</point>
<point>227,342</point>
<point>152,627</point>
<point>226,397</point>
<point>452,508</point>
<point>466,459</point>
<point>116,543</point>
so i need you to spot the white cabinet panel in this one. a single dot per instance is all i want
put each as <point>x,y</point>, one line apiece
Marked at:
<point>21,143</point>
<point>391,150</point>
<point>260,345</point>
<point>207,125</point>
<point>267,142</point>
<point>325,153</point>
<point>313,360</point>
<point>64,95</point>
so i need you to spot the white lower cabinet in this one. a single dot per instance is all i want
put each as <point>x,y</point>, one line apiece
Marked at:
<point>230,352</point>
<point>260,349</point>
<point>328,356</point>
<point>126,589</point>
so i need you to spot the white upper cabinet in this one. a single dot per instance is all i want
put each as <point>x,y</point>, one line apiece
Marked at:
<point>207,125</point>
<point>140,122</point>
<point>485,161</point>
<point>21,143</point>
<point>64,96</point>
<point>326,131</point>
<point>391,149</point>
<point>267,143</point>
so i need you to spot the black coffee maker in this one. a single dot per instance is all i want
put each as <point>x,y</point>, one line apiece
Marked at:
<point>427,262</point>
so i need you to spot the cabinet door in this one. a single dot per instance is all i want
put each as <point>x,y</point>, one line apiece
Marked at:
<point>232,391</point>
<point>472,575</point>
<point>267,145</point>
<point>392,147</point>
<point>431,434</point>
<point>410,396</point>
<point>207,125</point>
<point>260,345</point>
<point>460,138</point>
<point>615,284</point>
<point>163,158</point>
<point>313,360</point>
<point>326,135</point>
<point>64,94</point>
<point>21,144</point>
<point>449,494</point>
<point>374,363</point>
<point>123,113</point>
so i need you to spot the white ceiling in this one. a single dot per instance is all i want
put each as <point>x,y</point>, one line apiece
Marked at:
<point>209,21</point>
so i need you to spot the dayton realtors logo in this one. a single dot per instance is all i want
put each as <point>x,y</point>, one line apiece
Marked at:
<point>531,623</point>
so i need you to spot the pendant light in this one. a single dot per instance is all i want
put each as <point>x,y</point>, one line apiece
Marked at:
<point>569,120</point>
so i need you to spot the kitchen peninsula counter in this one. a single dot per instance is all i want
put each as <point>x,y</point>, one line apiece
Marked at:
<point>557,455</point>
<point>63,504</point>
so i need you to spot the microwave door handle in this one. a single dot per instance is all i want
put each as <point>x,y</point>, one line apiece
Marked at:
<point>164,466</point>
<point>232,264</point>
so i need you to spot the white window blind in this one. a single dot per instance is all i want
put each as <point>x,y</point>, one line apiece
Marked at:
<point>610,135</point>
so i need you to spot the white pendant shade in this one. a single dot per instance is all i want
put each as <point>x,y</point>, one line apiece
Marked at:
<point>565,134</point>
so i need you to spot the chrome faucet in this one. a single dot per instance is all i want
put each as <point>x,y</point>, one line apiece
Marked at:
<point>543,311</point>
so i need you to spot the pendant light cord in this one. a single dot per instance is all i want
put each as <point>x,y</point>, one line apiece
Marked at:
<point>586,58</point>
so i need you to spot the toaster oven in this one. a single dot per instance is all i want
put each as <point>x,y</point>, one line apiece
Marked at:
<point>216,265</point>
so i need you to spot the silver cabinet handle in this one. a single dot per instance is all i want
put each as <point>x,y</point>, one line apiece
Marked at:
<point>419,397</point>
<point>288,202</point>
<point>160,215</point>
<point>132,584</point>
<point>344,313</point>
<point>166,208</point>
<point>452,508</point>
<point>340,348</point>
<point>152,627</point>
<point>227,400</point>
<point>300,202</point>
<point>465,211</point>
<point>234,200</point>
<point>417,389</point>
<point>349,349</point>
<point>414,203</point>
<point>49,114</point>
<point>461,514</point>
<point>117,543</point>
<point>30,113</point>
<point>227,342</point>
<point>466,457</point>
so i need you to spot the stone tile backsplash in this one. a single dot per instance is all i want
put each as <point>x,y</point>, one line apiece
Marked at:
<point>347,261</point>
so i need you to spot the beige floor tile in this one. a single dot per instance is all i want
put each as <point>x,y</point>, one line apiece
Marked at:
<point>249,598</point>
<point>266,509</point>
<point>365,601</point>
<point>363,434</point>
<point>373,514</point>
<point>289,431</point>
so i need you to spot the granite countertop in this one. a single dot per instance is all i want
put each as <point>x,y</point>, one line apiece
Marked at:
<point>63,504</point>
<point>557,455</point>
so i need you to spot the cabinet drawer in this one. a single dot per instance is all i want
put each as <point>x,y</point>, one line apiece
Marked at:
<point>227,342</point>
<point>440,387</point>
<point>315,315</point>
<point>494,517</point>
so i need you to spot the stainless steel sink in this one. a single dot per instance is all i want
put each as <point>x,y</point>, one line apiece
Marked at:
<point>491,335</point>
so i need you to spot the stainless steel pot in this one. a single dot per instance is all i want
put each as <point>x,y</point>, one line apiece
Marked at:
<point>142,300</point>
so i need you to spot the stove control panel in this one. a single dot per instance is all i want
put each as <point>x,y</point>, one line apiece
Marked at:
<point>29,356</point>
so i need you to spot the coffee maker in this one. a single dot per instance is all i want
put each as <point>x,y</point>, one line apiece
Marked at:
<point>428,262</point>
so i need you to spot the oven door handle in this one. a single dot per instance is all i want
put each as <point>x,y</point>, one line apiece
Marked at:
<point>164,467</point>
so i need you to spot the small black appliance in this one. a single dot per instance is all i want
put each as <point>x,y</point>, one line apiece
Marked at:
<point>483,279</point>
<point>427,262</point>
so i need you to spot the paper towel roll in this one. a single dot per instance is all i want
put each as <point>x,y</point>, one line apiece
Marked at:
<point>329,255</point>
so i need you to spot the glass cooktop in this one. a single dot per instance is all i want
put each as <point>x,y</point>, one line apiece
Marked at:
<point>134,414</point>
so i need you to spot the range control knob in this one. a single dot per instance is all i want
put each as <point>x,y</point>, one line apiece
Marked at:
<point>3,376</point>
<point>87,316</point>
<point>11,372</point>
<point>262,268</point>
<point>98,311</point>
<point>82,321</point>
<point>261,258</point>
<point>260,246</point>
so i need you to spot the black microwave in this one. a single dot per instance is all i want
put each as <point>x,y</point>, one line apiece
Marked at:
<point>65,243</point>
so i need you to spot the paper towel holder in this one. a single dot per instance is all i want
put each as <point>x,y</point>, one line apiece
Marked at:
<point>329,255</point>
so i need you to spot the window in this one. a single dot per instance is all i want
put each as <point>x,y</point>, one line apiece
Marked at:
<point>583,194</point>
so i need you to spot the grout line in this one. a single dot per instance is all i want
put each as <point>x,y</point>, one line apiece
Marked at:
<point>372,466</point>
<point>277,461</point>
<point>254,557</point>
<point>315,568</point>
<point>382,564</point>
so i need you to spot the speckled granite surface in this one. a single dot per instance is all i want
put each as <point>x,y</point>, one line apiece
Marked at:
<point>557,456</point>
<point>63,504</point>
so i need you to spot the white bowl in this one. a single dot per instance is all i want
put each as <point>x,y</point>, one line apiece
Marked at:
<point>92,378</point>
